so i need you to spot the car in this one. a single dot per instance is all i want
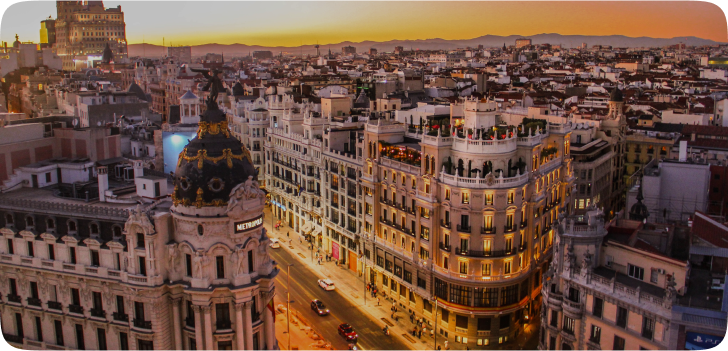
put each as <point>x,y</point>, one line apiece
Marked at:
<point>319,307</point>
<point>326,284</point>
<point>275,243</point>
<point>347,332</point>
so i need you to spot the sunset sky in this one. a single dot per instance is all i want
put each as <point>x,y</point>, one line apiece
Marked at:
<point>293,23</point>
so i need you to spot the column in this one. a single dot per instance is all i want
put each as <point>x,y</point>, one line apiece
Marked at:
<point>239,336</point>
<point>208,328</point>
<point>248,319</point>
<point>177,328</point>
<point>269,321</point>
<point>198,327</point>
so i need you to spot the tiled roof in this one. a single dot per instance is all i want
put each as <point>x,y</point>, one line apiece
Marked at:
<point>710,230</point>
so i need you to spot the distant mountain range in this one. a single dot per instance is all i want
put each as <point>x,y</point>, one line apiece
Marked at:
<point>568,41</point>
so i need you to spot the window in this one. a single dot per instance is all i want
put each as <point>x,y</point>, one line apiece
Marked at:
<point>596,334</point>
<point>220,264</point>
<point>618,343</point>
<point>598,307</point>
<point>463,267</point>
<point>653,276</point>
<point>636,272</point>
<point>140,240</point>
<point>145,344</point>
<point>507,267</point>
<point>466,197</point>
<point>95,258</point>
<point>486,297</point>
<point>509,295</point>
<point>58,329</point>
<point>511,196</point>
<point>72,254</point>
<point>421,283</point>
<point>31,251</point>
<point>447,194</point>
<point>648,328</point>
<point>79,337</point>
<point>188,265</point>
<point>622,317</point>
<point>11,247</point>
<point>123,341</point>
<point>484,323</point>
<point>51,252</point>
<point>568,325</point>
<point>142,266</point>
<point>222,313</point>
<point>554,318</point>
<point>101,336</point>
<point>487,269</point>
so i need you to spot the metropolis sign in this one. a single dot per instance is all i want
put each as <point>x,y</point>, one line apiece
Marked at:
<point>248,225</point>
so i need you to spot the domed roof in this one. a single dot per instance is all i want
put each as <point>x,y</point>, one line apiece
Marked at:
<point>238,89</point>
<point>639,211</point>
<point>616,95</point>
<point>107,55</point>
<point>211,164</point>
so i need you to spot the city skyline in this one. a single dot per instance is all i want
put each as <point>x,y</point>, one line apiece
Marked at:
<point>390,21</point>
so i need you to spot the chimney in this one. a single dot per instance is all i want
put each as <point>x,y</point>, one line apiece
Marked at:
<point>103,172</point>
<point>683,156</point>
<point>138,169</point>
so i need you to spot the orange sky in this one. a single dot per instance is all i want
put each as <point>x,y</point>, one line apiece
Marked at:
<point>293,23</point>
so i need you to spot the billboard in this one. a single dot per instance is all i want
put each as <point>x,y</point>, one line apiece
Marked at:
<point>172,145</point>
<point>700,341</point>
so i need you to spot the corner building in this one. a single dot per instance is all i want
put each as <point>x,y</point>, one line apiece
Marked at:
<point>462,209</point>
<point>190,273</point>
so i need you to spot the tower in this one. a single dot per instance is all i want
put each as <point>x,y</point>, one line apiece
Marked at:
<point>220,240</point>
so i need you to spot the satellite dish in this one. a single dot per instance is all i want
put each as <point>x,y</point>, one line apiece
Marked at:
<point>98,123</point>
<point>75,122</point>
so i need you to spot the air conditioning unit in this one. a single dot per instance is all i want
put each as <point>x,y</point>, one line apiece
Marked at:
<point>661,271</point>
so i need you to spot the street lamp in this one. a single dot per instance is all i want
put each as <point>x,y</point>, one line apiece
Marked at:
<point>435,346</point>
<point>288,304</point>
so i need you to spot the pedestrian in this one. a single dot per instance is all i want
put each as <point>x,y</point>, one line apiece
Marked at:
<point>412,319</point>
<point>300,241</point>
<point>288,234</point>
<point>432,332</point>
<point>439,348</point>
<point>419,334</point>
<point>377,301</point>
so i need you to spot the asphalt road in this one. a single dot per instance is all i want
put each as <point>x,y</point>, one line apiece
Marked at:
<point>304,288</point>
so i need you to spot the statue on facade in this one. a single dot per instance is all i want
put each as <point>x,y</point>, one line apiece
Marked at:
<point>248,190</point>
<point>200,261</point>
<point>214,85</point>
<point>569,258</point>
<point>586,263</point>
<point>239,260</point>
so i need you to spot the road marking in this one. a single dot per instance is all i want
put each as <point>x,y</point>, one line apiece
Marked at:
<point>387,321</point>
<point>409,338</point>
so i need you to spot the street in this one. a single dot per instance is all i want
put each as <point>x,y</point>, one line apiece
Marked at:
<point>304,288</point>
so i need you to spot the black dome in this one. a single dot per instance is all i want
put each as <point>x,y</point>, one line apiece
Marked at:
<point>238,89</point>
<point>212,164</point>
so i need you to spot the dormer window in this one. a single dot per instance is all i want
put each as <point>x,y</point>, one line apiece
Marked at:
<point>94,229</point>
<point>50,224</point>
<point>9,219</point>
<point>72,226</point>
<point>117,231</point>
<point>200,229</point>
<point>29,221</point>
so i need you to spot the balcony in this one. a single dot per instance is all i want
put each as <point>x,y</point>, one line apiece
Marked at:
<point>121,317</point>
<point>509,229</point>
<point>445,247</point>
<point>487,230</point>
<point>33,301</point>
<point>17,339</point>
<point>447,225</point>
<point>464,229</point>
<point>14,298</point>
<point>97,312</point>
<point>223,325</point>
<point>480,253</point>
<point>524,224</point>
<point>54,305</point>
<point>75,309</point>
<point>142,324</point>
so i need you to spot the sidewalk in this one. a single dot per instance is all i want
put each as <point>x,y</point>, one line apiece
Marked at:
<point>352,287</point>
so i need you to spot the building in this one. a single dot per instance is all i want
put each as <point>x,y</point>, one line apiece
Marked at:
<point>183,54</point>
<point>262,55</point>
<point>190,273</point>
<point>372,52</point>
<point>83,28</point>
<point>425,196</point>
<point>348,50</point>
<point>521,42</point>
<point>611,288</point>
<point>47,33</point>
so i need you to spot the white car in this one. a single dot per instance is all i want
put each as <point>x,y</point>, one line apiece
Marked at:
<point>326,284</point>
<point>275,243</point>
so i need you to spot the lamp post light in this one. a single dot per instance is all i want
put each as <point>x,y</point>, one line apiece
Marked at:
<point>288,304</point>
